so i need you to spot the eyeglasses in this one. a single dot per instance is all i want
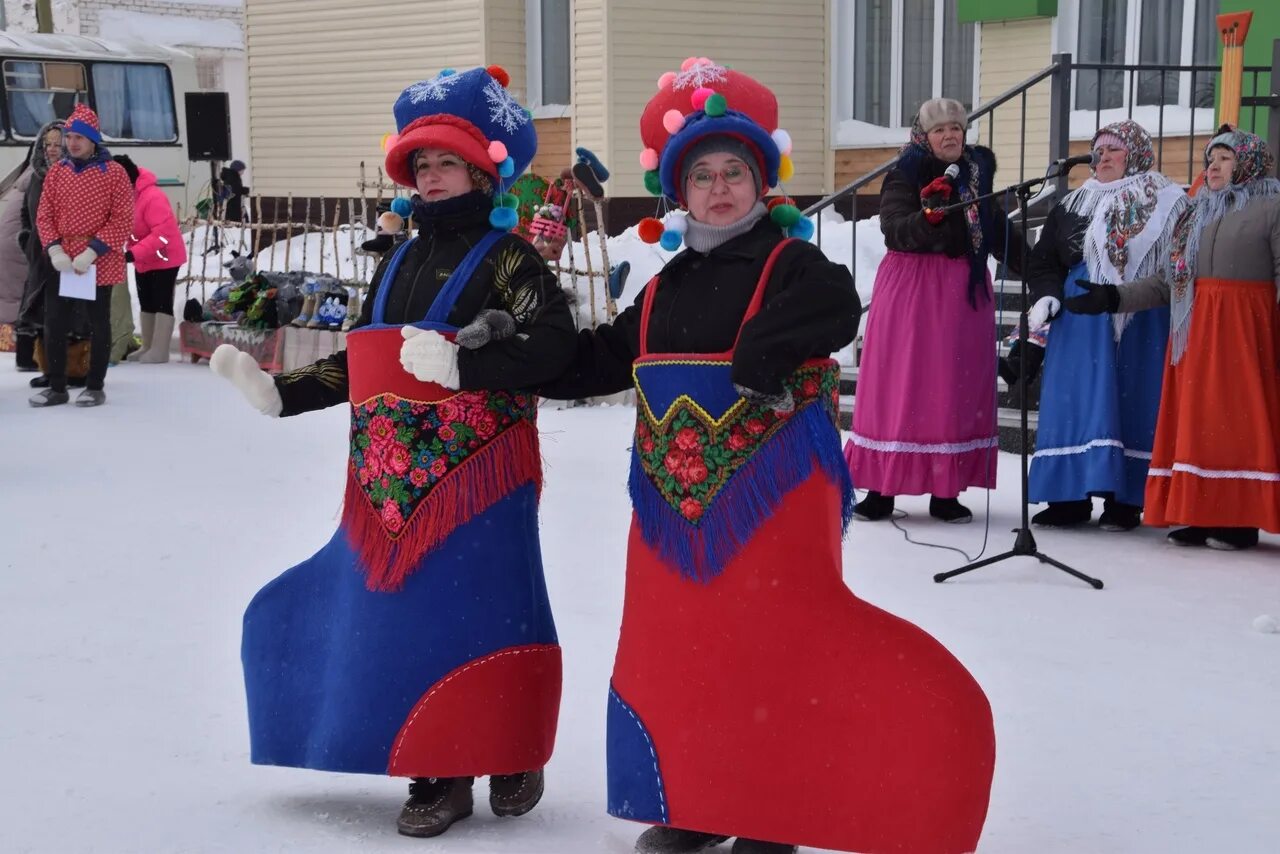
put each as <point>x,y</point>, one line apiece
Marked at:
<point>703,179</point>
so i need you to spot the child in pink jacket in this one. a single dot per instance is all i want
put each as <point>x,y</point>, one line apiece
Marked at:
<point>85,213</point>
<point>157,251</point>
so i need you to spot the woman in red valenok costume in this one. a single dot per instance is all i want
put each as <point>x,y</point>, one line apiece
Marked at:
<point>753,695</point>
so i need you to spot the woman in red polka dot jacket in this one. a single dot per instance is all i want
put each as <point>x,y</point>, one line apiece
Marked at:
<point>84,218</point>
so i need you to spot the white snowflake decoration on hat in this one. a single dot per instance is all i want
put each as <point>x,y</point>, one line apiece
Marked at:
<point>435,89</point>
<point>504,109</point>
<point>699,74</point>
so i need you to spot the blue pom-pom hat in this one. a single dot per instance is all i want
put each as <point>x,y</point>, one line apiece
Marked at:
<point>469,113</point>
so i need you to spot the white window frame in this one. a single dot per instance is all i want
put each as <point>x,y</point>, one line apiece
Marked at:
<point>533,63</point>
<point>848,132</point>
<point>1179,118</point>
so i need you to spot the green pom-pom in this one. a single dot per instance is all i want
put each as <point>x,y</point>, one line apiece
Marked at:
<point>652,182</point>
<point>508,200</point>
<point>528,113</point>
<point>715,106</point>
<point>784,216</point>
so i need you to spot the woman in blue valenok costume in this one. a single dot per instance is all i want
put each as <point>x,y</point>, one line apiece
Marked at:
<point>419,642</point>
<point>753,695</point>
<point>1102,375</point>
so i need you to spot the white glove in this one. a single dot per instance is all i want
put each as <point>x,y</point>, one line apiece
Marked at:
<point>1045,309</point>
<point>243,372</point>
<point>82,262</point>
<point>59,258</point>
<point>429,356</point>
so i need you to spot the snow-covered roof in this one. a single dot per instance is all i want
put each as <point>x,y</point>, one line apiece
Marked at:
<point>83,47</point>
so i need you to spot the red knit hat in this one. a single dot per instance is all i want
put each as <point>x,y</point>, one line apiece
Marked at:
<point>84,121</point>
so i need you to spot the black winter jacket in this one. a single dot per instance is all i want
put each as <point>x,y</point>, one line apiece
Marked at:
<point>810,309</point>
<point>1060,247</point>
<point>906,229</point>
<point>512,277</point>
<point>233,186</point>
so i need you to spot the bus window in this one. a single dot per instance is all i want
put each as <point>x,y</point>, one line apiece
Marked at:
<point>134,102</point>
<point>40,92</point>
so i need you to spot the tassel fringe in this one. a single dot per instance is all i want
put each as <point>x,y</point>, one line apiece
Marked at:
<point>486,477</point>
<point>701,551</point>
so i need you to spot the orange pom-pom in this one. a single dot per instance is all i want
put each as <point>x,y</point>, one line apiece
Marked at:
<point>497,72</point>
<point>779,200</point>
<point>650,229</point>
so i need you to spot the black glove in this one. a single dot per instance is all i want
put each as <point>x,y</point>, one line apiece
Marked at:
<point>1010,367</point>
<point>24,237</point>
<point>1097,299</point>
<point>128,257</point>
<point>780,402</point>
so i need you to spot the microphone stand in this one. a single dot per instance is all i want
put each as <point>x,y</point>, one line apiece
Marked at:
<point>1024,545</point>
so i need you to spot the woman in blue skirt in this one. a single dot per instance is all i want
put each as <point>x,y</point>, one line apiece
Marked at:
<point>1102,374</point>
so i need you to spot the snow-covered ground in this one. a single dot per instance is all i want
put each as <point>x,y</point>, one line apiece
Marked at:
<point>1140,718</point>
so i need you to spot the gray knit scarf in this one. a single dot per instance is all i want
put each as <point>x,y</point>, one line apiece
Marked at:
<point>701,237</point>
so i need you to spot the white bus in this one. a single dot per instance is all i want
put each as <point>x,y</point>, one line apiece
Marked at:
<point>136,89</point>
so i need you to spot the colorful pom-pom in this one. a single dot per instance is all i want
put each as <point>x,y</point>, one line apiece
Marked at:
<point>702,60</point>
<point>778,200</point>
<point>673,120</point>
<point>401,206</point>
<point>785,216</point>
<point>497,151</point>
<point>688,63</point>
<point>802,229</point>
<point>649,159</point>
<point>503,219</point>
<point>388,141</point>
<point>671,240</point>
<point>676,222</point>
<point>447,72</point>
<point>653,182</point>
<point>528,113</point>
<point>786,169</point>
<point>497,72</point>
<point>700,96</point>
<point>782,139</point>
<point>715,105</point>
<point>507,168</point>
<point>666,79</point>
<point>508,200</point>
<point>650,229</point>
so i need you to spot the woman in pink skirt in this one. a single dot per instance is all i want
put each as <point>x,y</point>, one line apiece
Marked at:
<point>924,421</point>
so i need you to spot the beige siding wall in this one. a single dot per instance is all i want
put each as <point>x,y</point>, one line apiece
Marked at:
<point>504,43</point>
<point>323,75</point>
<point>783,45</point>
<point>588,33</point>
<point>1012,52</point>
<point>852,163</point>
<point>554,147</point>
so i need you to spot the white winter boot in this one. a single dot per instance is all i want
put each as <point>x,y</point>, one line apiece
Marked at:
<point>148,335</point>
<point>162,337</point>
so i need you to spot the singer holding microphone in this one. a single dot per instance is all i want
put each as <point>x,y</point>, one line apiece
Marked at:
<point>1102,374</point>
<point>1215,466</point>
<point>924,419</point>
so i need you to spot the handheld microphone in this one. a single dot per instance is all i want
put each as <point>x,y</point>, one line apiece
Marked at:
<point>950,174</point>
<point>1067,163</point>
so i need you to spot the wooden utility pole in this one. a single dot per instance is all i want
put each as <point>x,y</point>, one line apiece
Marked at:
<point>44,16</point>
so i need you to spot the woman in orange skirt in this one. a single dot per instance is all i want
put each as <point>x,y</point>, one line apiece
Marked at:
<point>1216,462</point>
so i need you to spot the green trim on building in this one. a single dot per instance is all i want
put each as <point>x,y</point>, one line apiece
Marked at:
<point>1258,46</point>
<point>974,11</point>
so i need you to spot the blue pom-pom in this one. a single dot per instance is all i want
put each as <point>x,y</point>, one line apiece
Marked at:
<point>447,72</point>
<point>802,229</point>
<point>401,206</point>
<point>507,168</point>
<point>671,240</point>
<point>503,219</point>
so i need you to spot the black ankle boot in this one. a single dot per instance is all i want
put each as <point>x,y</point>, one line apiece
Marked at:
<point>1189,536</point>
<point>1064,514</point>
<point>515,794</point>
<point>1232,539</point>
<point>434,804</point>
<point>1117,516</point>
<point>874,507</point>
<point>949,510</point>
<point>673,840</point>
